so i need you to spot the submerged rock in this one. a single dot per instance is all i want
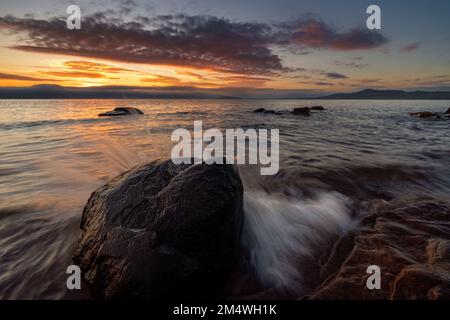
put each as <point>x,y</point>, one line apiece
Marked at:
<point>262,110</point>
<point>121,111</point>
<point>425,114</point>
<point>302,111</point>
<point>410,244</point>
<point>162,231</point>
<point>317,108</point>
<point>272,112</point>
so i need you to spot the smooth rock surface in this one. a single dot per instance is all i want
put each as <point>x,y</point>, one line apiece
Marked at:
<point>162,231</point>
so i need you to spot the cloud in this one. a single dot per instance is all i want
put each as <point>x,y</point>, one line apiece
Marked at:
<point>8,76</point>
<point>203,42</point>
<point>164,80</point>
<point>411,47</point>
<point>78,74</point>
<point>314,33</point>
<point>367,81</point>
<point>87,69</point>
<point>193,41</point>
<point>94,66</point>
<point>126,6</point>
<point>317,83</point>
<point>335,75</point>
<point>351,64</point>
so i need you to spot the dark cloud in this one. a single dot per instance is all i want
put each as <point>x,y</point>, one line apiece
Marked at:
<point>317,83</point>
<point>314,33</point>
<point>335,75</point>
<point>366,81</point>
<point>204,42</point>
<point>195,41</point>
<point>411,47</point>
<point>351,64</point>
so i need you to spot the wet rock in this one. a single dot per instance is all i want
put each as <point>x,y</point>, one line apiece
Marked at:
<point>271,112</point>
<point>265,111</point>
<point>121,111</point>
<point>162,231</point>
<point>305,111</point>
<point>448,111</point>
<point>259,110</point>
<point>410,244</point>
<point>424,114</point>
<point>317,108</point>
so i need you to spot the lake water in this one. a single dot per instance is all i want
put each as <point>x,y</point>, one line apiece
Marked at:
<point>334,165</point>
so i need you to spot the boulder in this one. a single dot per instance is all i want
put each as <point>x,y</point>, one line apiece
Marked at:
<point>305,111</point>
<point>121,111</point>
<point>448,111</point>
<point>317,108</point>
<point>162,231</point>
<point>410,244</point>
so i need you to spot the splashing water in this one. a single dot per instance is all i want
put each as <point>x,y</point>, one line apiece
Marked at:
<point>280,232</point>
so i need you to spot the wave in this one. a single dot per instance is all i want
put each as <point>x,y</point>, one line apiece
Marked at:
<point>280,233</point>
<point>36,251</point>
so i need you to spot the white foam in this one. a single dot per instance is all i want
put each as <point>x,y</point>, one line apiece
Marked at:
<point>280,232</point>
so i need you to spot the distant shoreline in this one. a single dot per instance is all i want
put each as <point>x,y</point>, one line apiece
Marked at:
<point>56,92</point>
<point>201,98</point>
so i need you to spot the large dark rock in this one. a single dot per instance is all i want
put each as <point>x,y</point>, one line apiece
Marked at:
<point>305,111</point>
<point>121,111</point>
<point>162,231</point>
<point>448,111</point>
<point>410,244</point>
<point>317,108</point>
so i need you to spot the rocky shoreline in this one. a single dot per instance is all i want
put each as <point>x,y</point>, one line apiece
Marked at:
<point>410,244</point>
<point>164,231</point>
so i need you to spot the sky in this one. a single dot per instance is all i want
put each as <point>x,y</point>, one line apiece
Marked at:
<point>233,47</point>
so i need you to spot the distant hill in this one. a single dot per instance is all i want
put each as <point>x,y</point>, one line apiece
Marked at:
<point>102,92</point>
<point>392,95</point>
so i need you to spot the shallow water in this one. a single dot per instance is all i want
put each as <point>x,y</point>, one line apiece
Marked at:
<point>54,153</point>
